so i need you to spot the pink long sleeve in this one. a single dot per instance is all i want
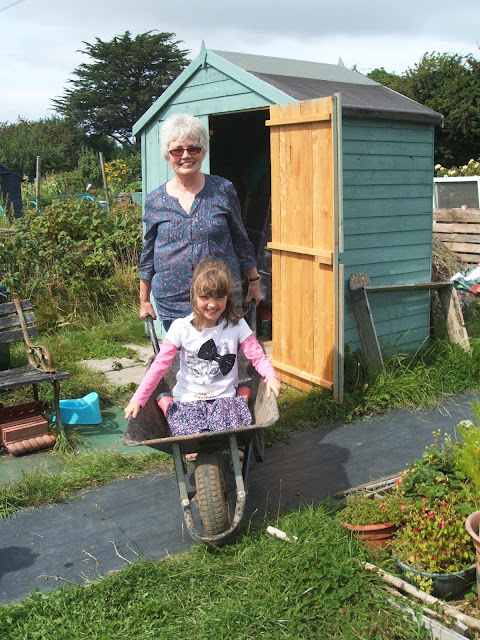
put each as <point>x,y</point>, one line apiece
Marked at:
<point>156,372</point>
<point>254,352</point>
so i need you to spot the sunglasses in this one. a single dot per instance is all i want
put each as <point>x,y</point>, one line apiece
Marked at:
<point>192,151</point>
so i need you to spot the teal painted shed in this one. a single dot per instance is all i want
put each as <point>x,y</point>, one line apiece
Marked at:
<point>376,164</point>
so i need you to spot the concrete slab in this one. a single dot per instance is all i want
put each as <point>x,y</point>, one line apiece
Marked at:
<point>126,376</point>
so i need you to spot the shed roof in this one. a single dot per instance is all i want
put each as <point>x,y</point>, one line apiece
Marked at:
<point>283,79</point>
<point>4,170</point>
<point>304,80</point>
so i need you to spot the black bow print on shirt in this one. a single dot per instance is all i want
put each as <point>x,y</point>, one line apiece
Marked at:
<point>208,351</point>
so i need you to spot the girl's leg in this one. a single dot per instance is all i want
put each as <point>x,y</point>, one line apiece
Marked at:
<point>228,413</point>
<point>163,400</point>
<point>186,418</point>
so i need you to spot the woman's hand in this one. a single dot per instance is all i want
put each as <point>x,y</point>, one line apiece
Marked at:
<point>273,384</point>
<point>131,410</point>
<point>254,292</point>
<point>146,309</point>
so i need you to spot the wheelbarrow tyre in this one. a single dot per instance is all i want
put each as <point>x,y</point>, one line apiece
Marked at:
<point>212,493</point>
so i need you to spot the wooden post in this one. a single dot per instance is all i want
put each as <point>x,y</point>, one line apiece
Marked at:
<point>457,332</point>
<point>37,184</point>
<point>364,319</point>
<point>105,186</point>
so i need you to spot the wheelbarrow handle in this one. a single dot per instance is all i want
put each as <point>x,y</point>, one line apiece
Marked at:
<point>252,316</point>
<point>152,333</point>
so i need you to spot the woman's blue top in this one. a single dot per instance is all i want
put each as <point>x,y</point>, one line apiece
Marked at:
<point>176,241</point>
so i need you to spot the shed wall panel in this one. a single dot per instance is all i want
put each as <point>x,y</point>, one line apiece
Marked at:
<point>387,206</point>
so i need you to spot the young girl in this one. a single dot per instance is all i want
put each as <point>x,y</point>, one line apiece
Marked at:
<point>204,398</point>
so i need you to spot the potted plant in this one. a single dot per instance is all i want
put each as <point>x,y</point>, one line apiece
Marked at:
<point>433,550</point>
<point>374,519</point>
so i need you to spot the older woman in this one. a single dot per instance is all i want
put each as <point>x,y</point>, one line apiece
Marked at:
<point>191,217</point>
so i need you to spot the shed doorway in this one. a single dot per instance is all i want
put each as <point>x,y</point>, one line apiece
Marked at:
<point>240,152</point>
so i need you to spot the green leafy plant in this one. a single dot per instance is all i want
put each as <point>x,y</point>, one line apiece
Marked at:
<point>468,454</point>
<point>73,252</point>
<point>364,509</point>
<point>436,474</point>
<point>434,540</point>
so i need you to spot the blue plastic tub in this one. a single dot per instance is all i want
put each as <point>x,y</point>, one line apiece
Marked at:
<point>81,411</point>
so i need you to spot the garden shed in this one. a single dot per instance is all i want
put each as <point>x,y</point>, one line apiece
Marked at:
<point>11,190</point>
<point>334,173</point>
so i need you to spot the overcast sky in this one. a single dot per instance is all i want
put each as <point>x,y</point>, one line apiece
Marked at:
<point>40,39</point>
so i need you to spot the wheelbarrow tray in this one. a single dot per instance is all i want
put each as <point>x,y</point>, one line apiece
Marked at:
<point>150,427</point>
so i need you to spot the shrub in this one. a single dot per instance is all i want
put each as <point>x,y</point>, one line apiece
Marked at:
<point>73,255</point>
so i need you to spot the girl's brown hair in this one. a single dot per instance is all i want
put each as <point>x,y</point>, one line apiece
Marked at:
<point>212,278</point>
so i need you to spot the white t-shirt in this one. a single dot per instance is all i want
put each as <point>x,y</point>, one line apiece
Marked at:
<point>208,359</point>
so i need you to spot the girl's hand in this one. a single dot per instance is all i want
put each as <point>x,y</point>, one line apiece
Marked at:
<point>273,384</point>
<point>131,410</point>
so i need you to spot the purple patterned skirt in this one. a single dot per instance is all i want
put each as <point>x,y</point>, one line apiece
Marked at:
<point>187,418</point>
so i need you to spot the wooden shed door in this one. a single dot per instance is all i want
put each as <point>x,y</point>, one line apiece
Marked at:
<point>306,240</point>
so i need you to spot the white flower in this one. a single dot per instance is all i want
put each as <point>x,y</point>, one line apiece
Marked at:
<point>466,424</point>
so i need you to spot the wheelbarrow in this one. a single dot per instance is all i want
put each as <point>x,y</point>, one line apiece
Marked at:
<point>221,503</point>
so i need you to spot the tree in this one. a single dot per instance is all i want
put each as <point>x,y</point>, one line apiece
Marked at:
<point>128,74</point>
<point>388,79</point>
<point>56,141</point>
<point>449,84</point>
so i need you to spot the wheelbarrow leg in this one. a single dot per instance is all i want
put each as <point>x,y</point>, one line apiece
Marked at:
<point>182,488</point>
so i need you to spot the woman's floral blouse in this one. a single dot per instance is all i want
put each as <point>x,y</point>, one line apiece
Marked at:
<point>175,242</point>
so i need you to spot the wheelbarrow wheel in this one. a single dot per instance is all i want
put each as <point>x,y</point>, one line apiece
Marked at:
<point>212,493</point>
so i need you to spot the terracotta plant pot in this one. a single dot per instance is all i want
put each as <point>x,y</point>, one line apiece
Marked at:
<point>373,535</point>
<point>472,525</point>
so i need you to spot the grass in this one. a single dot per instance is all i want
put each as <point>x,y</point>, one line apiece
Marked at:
<point>78,472</point>
<point>257,587</point>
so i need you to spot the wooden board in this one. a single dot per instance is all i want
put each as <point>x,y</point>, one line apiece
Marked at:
<point>459,230</point>
<point>305,210</point>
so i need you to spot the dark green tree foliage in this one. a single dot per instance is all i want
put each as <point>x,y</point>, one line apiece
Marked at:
<point>57,142</point>
<point>449,84</point>
<point>388,79</point>
<point>125,78</point>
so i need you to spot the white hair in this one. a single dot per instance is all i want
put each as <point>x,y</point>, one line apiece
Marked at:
<point>179,127</point>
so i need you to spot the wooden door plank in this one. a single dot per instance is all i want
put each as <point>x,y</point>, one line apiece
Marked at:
<point>303,262</point>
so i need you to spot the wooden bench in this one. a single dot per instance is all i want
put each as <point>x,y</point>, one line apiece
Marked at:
<point>17,324</point>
